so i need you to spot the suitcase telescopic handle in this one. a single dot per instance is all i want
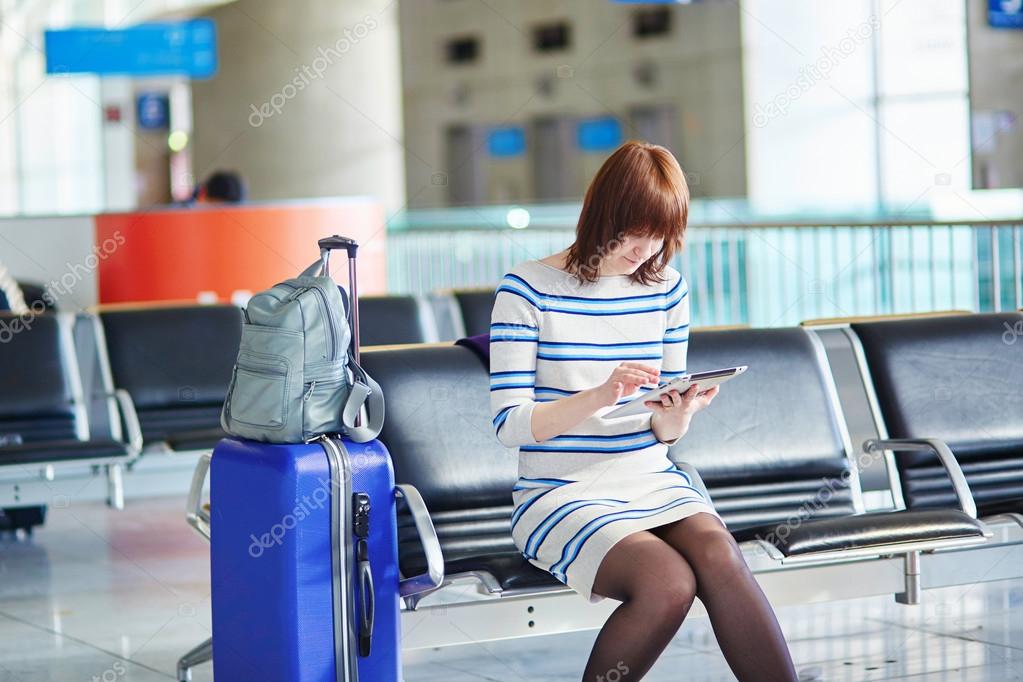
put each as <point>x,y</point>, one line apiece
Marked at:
<point>196,516</point>
<point>434,575</point>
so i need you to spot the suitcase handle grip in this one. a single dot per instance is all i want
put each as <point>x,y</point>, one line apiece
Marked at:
<point>339,242</point>
<point>368,600</point>
<point>434,575</point>
<point>196,516</point>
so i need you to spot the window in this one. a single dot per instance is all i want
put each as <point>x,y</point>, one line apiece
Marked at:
<point>462,50</point>
<point>647,23</point>
<point>551,37</point>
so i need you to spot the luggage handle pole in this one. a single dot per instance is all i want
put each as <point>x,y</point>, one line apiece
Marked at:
<point>195,515</point>
<point>434,576</point>
<point>351,247</point>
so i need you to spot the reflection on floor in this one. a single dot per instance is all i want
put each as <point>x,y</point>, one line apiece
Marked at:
<point>101,595</point>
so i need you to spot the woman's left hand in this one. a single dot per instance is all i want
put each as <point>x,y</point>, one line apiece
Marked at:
<point>674,410</point>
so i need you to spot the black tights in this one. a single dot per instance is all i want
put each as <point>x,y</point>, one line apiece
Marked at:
<point>657,574</point>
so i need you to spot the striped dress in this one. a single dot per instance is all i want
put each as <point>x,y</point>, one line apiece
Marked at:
<point>582,491</point>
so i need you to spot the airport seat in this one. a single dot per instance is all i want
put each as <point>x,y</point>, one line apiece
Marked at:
<point>476,306</point>
<point>386,320</point>
<point>175,362</point>
<point>774,454</point>
<point>43,414</point>
<point>447,314</point>
<point>771,450</point>
<point>956,380</point>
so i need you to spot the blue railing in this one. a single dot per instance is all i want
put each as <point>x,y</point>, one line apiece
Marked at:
<point>762,274</point>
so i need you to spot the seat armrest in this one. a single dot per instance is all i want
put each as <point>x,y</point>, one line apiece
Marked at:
<point>195,514</point>
<point>434,576</point>
<point>130,420</point>
<point>945,456</point>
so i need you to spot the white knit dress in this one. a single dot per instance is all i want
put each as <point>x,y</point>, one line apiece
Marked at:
<point>581,492</point>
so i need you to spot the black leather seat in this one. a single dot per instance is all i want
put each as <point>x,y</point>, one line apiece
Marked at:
<point>385,320</point>
<point>176,364</point>
<point>477,305</point>
<point>772,452</point>
<point>958,379</point>
<point>42,413</point>
<point>439,434</point>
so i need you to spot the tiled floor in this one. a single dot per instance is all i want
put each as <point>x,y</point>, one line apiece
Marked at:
<point>117,597</point>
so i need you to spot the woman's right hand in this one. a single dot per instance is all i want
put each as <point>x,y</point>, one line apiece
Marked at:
<point>624,380</point>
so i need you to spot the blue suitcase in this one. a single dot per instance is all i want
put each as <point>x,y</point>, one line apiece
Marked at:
<point>304,561</point>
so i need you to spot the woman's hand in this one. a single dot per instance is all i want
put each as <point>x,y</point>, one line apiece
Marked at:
<point>624,380</point>
<point>674,411</point>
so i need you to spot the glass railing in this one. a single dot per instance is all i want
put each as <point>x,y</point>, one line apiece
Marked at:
<point>743,267</point>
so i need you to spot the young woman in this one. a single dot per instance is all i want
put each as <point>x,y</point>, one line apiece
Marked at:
<point>598,503</point>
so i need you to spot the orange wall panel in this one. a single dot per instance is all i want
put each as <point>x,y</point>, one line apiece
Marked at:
<point>178,253</point>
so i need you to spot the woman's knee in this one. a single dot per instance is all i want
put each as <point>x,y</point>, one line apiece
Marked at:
<point>717,554</point>
<point>668,596</point>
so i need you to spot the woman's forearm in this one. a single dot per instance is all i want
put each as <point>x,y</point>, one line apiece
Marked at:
<point>558,416</point>
<point>668,432</point>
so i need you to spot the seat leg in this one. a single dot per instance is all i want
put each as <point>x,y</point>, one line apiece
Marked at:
<point>115,486</point>
<point>912,593</point>
<point>200,654</point>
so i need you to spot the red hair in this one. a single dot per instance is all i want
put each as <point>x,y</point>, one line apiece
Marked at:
<point>639,190</point>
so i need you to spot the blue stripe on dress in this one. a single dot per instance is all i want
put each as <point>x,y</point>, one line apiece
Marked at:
<point>502,387</point>
<point>573,546</point>
<point>501,416</point>
<point>602,437</point>
<point>544,482</point>
<point>510,326</point>
<point>589,306</point>
<point>560,392</point>
<point>544,528</point>
<point>598,358</point>
<point>580,344</point>
<point>600,450</point>
<point>540,294</point>
<point>513,373</point>
<point>521,509</point>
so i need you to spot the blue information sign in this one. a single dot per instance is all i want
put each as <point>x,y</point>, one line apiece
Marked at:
<point>599,134</point>
<point>506,142</point>
<point>184,48</point>
<point>153,110</point>
<point>1005,13</point>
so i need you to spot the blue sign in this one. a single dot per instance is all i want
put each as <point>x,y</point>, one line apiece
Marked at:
<point>507,142</point>
<point>599,134</point>
<point>153,110</point>
<point>185,48</point>
<point>1005,13</point>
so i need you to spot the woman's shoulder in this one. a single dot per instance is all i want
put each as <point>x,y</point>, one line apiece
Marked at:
<point>529,272</point>
<point>673,279</point>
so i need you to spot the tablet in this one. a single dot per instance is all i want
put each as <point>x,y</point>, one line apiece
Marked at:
<point>705,380</point>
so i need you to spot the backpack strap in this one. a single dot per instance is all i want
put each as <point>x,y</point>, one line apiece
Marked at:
<point>364,391</point>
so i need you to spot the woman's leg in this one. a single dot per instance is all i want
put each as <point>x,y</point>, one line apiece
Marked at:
<point>743,620</point>
<point>656,588</point>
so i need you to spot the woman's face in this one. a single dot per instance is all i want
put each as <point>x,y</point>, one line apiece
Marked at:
<point>633,251</point>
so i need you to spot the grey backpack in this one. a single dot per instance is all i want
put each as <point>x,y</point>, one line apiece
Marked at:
<point>297,376</point>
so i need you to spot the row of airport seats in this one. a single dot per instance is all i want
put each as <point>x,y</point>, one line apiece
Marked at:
<point>89,393</point>
<point>775,453</point>
<point>932,400</point>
